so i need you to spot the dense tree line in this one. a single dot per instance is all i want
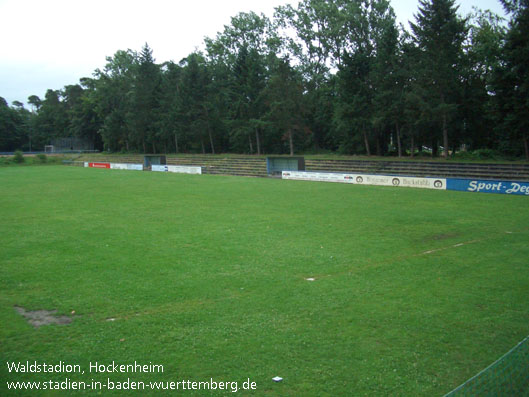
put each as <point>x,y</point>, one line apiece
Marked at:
<point>325,75</point>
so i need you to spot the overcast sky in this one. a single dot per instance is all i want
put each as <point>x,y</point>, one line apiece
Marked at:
<point>53,43</point>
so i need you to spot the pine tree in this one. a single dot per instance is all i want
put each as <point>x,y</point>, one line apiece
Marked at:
<point>146,96</point>
<point>284,95</point>
<point>196,99</point>
<point>171,121</point>
<point>512,84</point>
<point>439,33</point>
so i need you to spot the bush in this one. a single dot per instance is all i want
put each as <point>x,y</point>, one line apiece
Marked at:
<point>18,157</point>
<point>424,154</point>
<point>463,155</point>
<point>486,154</point>
<point>42,157</point>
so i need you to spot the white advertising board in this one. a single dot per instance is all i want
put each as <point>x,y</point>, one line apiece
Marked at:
<point>178,169</point>
<point>123,166</point>
<point>362,179</point>
<point>318,176</point>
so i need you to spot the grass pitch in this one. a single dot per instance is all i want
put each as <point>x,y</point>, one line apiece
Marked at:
<point>414,292</point>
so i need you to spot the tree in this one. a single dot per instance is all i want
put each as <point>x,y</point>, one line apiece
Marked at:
<point>319,27</point>
<point>483,56</point>
<point>284,95</point>
<point>171,123</point>
<point>249,81</point>
<point>320,30</point>
<point>51,120</point>
<point>35,101</point>
<point>387,82</point>
<point>112,96</point>
<point>145,99</point>
<point>512,85</point>
<point>415,114</point>
<point>194,103</point>
<point>365,75</point>
<point>240,60</point>
<point>439,33</point>
<point>15,126</point>
<point>9,127</point>
<point>353,113</point>
<point>81,105</point>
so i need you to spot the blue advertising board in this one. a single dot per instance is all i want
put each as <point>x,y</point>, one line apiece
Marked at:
<point>486,186</point>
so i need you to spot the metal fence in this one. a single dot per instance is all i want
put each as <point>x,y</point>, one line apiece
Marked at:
<point>71,144</point>
<point>507,376</point>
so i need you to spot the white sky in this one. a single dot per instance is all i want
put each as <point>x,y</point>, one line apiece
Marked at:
<point>53,43</point>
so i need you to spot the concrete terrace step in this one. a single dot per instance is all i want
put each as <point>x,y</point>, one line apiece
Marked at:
<point>224,166</point>
<point>411,164</point>
<point>433,169</point>
<point>216,160</point>
<point>406,166</point>
<point>415,165</point>
<point>220,164</point>
<point>234,172</point>
<point>422,170</point>
<point>112,159</point>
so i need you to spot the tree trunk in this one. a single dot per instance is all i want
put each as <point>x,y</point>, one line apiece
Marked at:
<point>153,148</point>
<point>257,141</point>
<point>211,140</point>
<point>290,141</point>
<point>399,147</point>
<point>127,144</point>
<point>445,137</point>
<point>250,143</point>
<point>209,131</point>
<point>144,147</point>
<point>412,150</point>
<point>379,150</point>
<point>202,144</point>
<point>366,142</point>
<point>526,146</point>
<point>176,142</point>
<point>435,147</point>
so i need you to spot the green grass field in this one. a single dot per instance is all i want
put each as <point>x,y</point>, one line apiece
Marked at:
<point>415,290</point>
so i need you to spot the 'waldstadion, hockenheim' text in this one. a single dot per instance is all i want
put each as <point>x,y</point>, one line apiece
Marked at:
<point>96,367</point>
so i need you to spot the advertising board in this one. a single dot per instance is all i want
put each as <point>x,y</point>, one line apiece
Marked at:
<point>177,168</point>
<point>488,186</point>
<point>124,166</point>
<point>99,165</point>
<point>365,179</point>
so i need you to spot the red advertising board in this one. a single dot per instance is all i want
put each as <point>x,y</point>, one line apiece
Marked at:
<point>99,165</point>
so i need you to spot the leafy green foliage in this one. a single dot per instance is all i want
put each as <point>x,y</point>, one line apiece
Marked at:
<point>362,85</point>
<point>15,126</point>
<point>512,84</point>
<point>18,157</point>
<point>439,33</point>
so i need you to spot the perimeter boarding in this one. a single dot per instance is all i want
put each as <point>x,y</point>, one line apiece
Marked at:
<point>294,170</point>
<point>140,167</point>
<point>463,185</point>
